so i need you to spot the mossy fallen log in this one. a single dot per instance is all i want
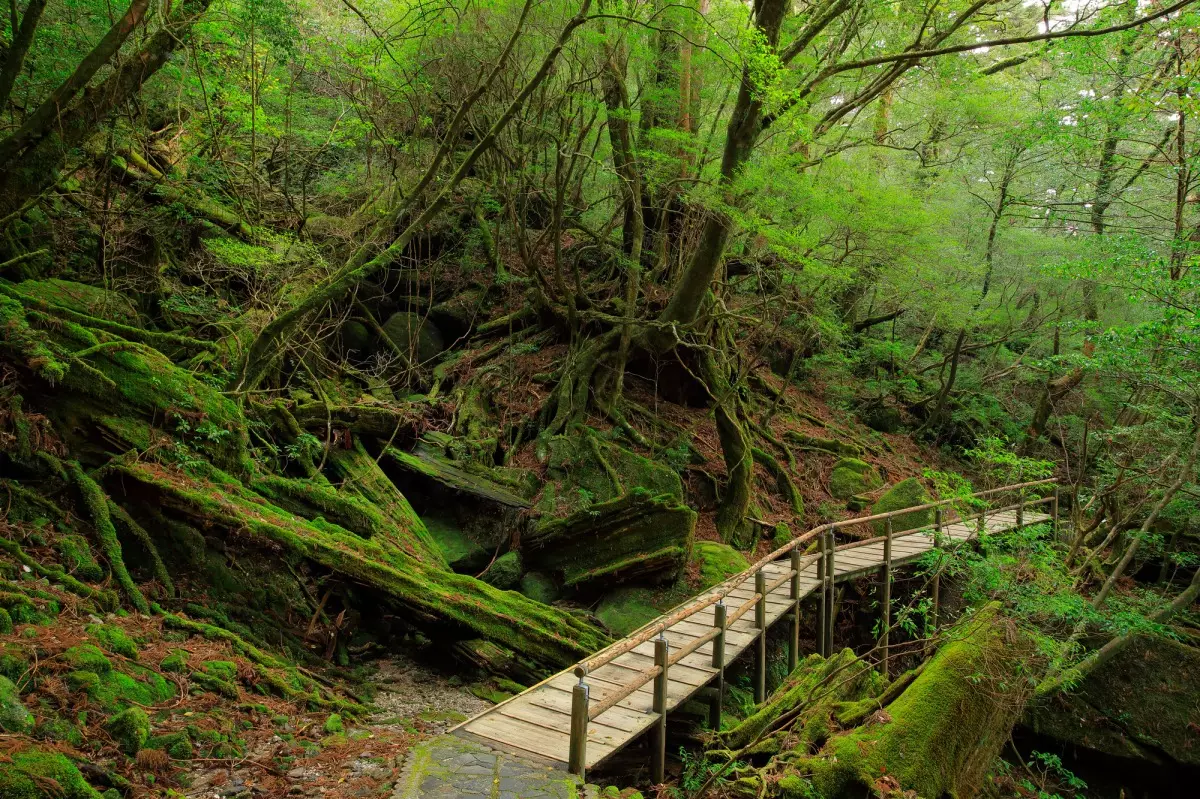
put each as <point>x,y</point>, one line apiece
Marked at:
<point>429,464</point>
<point>456,606</point>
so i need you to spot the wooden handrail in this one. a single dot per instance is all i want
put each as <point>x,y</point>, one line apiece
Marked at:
<point>680,654</point>
<point>719,592</point>
<point>610,701</point>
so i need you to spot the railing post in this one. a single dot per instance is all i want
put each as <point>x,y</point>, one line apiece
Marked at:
<point>831,581</point>
<point>760,621</point>
<point>579,725</point>
<point>937,524</point>
<point>821,587</point>
<point>981,527</point>
<point>937,599</point>
<point>886,609</point>
<point>718,662</point>
<point>794,643</point>
<point>1021,509</point>
<point>662,653</point>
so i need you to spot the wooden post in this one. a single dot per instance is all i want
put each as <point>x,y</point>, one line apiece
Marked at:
<point>821,587</point>
<point>937,525</point>
<point>794,643</point>
<point>720,614</point>
<point>831,581</point>
<point>937,599</point>
<point>658,765</point>
<point>1054,513</point>
<point>579,725</point>
<point>1021,509</point>
<point>886,609</point>
<point>760,621</point>
<point>982,525</point>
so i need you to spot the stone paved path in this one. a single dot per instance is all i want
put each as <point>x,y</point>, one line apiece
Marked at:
<point>449,767</point>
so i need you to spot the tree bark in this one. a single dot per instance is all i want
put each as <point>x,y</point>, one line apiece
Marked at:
<point>20,46</point>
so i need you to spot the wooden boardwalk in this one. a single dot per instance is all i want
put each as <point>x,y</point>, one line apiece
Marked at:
<point>538,723</point>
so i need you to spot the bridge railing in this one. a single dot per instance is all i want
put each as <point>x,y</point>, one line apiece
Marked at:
<point>584,711</point>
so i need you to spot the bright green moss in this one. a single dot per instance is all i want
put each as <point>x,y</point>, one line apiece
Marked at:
<point>176,744</point>
<point>59,729</point>
<point>718,562</point>
<point>505,572</point>
<point>904,494</point>
<point>115,689</point>
<point>21,609</point>
<point>87,657</point>
<point>539,587</point>
<point>6,622</point>
<point>37,774</point>
<point>852,476</point>
<point>14,716</point>
<point>130,729</point>
<point>221,669</point>
<point>216,685</point>
<point>334,725</point>
<point>82,298</point>
<point>626,609</point>
<point>175,662</point>
<point>77,558</point>
<point>113,639</point>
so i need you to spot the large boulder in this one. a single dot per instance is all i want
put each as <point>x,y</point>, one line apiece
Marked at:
<point>852,476</point>
<point>1143,704</point>
<point>627,609</point>
<point>638,536</point>
<point>584,469</point>
<point>415,335</point>
<point>718,562</point>
<point>905,494</point>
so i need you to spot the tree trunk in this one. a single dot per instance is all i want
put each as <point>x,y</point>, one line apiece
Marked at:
<point>20,46</point>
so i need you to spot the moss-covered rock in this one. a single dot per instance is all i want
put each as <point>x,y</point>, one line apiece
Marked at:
<point>39,774</point>
<point>87,657</point>
<point>1143,704</point>
<point>639,535</point>
<point>462,552</point>
<point>113,639</point>
<point>130,729</point>
<point>14,716</point>
<point>585,469</point>
<point>356,339</point>
<point>116,689</point>
<point>176,662</point>
<point>852,476</point>
<point>505,572</point>
<point>176,744</point>
<point>334,724</point>
<point>905,494</point>
<point>626,609</point>
<point>56,728</point>
<point>217,676</point>
<point>415,335</point>
<point>77,558</point>
<point>6,622</point>
<point>539,587</point>
<point>718,562</point>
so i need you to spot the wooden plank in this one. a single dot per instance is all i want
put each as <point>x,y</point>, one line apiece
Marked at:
<point>599,734</point>
<point>623,715</point>
<point>523,735</point>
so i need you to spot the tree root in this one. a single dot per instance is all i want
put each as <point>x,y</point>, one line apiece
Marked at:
<point>783,480</point>
<point>97,503</point>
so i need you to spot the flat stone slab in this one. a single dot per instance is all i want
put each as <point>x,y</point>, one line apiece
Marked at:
<point>449,767</point>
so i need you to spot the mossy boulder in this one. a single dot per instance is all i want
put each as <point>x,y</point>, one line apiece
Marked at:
<point>718,562</point>
<point>113,639</point>
<point>627,609</point>
<point>176,662</point>
<point>115,689</point>
<point>334,724</point>
<point>505,572</point>
<point>638,536</point>
<point>130,729</point>
<point>905,494</point>
<point>1143,704</point>
<point>356,339</point>
<point>540,587</point>
<point>462,552</point>
<point>87,657</point>
<point>14,716</point>
<point>82,298</point>
<point>415,335</point>
<point>77,558</point>
<point>852,476</point>
<point>176,744</point>
<point>39,774</point>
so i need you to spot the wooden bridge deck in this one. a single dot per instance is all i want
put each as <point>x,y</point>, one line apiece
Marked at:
<point>537,723</point>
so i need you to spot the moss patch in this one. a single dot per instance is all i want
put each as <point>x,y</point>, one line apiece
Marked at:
<point>718,562</point>
<point>31,772</point>
<point>852,476</point>
<point>14,716</point>
<point>627,609</point>
<point>113,639</point>
<point>905,494</point>
<point>130,729</point>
